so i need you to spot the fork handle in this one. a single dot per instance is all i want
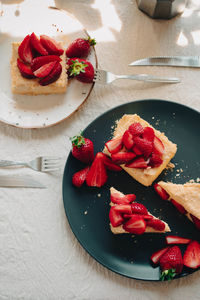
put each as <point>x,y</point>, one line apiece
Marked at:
<point>149,78</point>
<point>8,163</point>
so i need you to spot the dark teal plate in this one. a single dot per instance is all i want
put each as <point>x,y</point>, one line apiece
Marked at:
<point>87,208</point>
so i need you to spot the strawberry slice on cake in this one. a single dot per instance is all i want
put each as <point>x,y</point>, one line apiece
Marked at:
<point>127,216</point>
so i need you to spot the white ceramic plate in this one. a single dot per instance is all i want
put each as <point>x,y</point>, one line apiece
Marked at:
<point>43,110</point>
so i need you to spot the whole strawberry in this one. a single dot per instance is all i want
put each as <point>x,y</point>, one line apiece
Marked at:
<point>80,47</point>
<point>171,263</point>
<point>83,149</point>
<point>81,69</point>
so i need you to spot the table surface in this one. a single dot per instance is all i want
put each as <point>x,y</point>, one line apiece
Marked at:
<point>39,256</point>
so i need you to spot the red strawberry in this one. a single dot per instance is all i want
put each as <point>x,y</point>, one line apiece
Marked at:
<point>53,75</point>
<point>145,217</point>
<point>136,150</point>
<point>138,208</point>
<point>24,50</point>
<point>136,129</point>
<point>83,149</point>
<point>127,140</point>
<point>115,217</point>
<point>138,163</point>
<point>180,208</point>
<point>97,175</point>
<point>81,69</point>
<point>148,134</point>
<point>155,160</point>
<point>145,146</point>
<point>171,263</point>
<point>161,192</point>
<point>51,45</point>
<point>156,224</point>
<point>158,146</point>
<point>36,44</point>
<point>196,221</point>
<point>155,257</point>
<point>122,199</point>
<point>80,47</point>
<point>79,177</point>
<point>172,239</point>
<point>114,145</point>
<point>135,225</point>
<point>25,70</point>
<point>122,157</point>
<point>191,257</point>
<point>44,70</point>
<point>39,61</point>
<point>111,166</point>
<point>123,208</point>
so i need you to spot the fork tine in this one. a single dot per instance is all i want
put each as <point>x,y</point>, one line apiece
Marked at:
<point>51,169</point>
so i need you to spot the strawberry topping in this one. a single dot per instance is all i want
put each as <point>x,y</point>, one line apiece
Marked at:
<point>118,198</point>
<point>79,177</point>
<point>110,165</point>
<point>97,175</point>
<point>191,257</point>
<point>51,45</point>
<point>155,160</point>
<point>156,224</point>
<point>196,221</point>
<point>135,225</point>
<point>138,208</point>
<point>138,163</point>
<point>158,146</point>
<point>161,192</point>
<point>136,150</point>
<point>122,157</point>
<point>148,134</point>
<point>24,50</point>
<point>36,44</point>
<point>127,140</point>
<point>114,145</point>
<point>25,70</point>
<point>136,129</point>
<point>44,70</point>
<point>39,61</point>
<point>180,208</point>
<point>115,217</point>
<point>53,75</point>
<point>145,146</point>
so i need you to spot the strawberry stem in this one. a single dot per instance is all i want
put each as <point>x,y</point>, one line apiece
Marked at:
<point>91,41</point>
<point>168,274</point>
<point>76,68</point>
<point>77,140</point>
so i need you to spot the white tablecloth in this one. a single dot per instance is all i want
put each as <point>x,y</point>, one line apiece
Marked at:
<point>39,256</point>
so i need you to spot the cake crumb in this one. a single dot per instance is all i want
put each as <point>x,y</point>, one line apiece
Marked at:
<point>99,195</point>
<point>153,118</point>
<point>170,166</point>
<point>198,179</point>
<point>85,212</point>
<point>191,181</point>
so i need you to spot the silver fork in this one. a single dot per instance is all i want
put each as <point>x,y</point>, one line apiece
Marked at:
<point>42,164</point>
<point>105,77</point>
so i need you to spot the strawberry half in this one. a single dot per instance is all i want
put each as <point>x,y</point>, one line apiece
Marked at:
<point>36,44</point>
<point>191,257</point>
<point>114,145</point>
<point>83,149</point>
<point>39,61</point>
<point>79,177</point>
<point>196,221</point>
<point>115,217</point>
<point>53,75</point>
<point>136,129</point>
<point>51,45</point>
<point>122,199</point>
<point>122,157</point>
<point>180,208</point>
<point>158,146</point>
<point>148,134</point>
<point>135,225</point>
<point>81,69</point>
<point>127,140</point>
<point>24,50</point>
<point>171,263</point>
<point>155,160</point>
<point>97,175</point>
<point>25,70</point>
<point>156,224</point>
<point>110,165</point>
<point>136,150</point>
<point>155,257</point>
<point>123,208</point>
<point>138,208</point>
<point>173,239</point>
<point>145,146</point>
<point>161,192</point>
<point>138,163</point>
<point>80,47</point>
<point>44,70</point>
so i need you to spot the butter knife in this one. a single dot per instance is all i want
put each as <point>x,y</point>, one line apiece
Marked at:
<point>20,181</point>
<point>173,61</point>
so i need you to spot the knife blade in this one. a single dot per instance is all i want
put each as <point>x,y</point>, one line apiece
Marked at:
<point>20,181</point>
<point>173,61</point>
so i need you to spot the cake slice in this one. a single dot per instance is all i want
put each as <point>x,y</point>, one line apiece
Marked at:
<point>127,216</point>
<point>151,148</point>
<point>185,197</point>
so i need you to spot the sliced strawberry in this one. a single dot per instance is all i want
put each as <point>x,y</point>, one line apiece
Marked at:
<point>36,44</point>
<point>158,146</point>
<point>136,129</point>
<point>25,70</point>
<point>191,257</point>
<point>24,50</point>
<point>180,208</point>
<point>138,208</point>
<point>145,217</point>
<point>122,157</point>
<point>39,61</point>
<point>155,160</point>
<point>114,145</point>
<point>110,165</point>
<point>79,177</point>
<point>123,208</point>
<point>53,75</point>
<point>156,224</point>
<point>161,192</point>
<point>115,217</point>
<point>138,163</point>
<point>172,239</point>
<point>155,257</point>
<point>135,224</point>
<point>97,175</point>
<point>44,70</point>
<point>145,146</point>
<point>136,150</point>
<point>148,134</point>
<point>51,45</point>
<point>196,221</point>
<point>127,140</point>
<point>122,199</point>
